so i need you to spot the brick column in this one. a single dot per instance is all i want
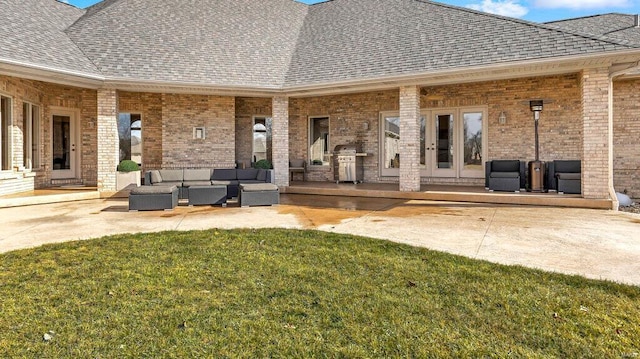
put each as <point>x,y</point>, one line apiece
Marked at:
<point>410,138</point>
<point>280,140</point>
<point>597,157</point>
<point>108,143</point>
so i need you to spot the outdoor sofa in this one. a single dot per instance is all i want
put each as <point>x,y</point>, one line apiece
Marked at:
<point>183,179</point>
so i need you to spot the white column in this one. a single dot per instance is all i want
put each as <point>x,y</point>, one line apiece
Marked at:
<point>108,142</point>
<point>410,138</point>
<point>280,140</point>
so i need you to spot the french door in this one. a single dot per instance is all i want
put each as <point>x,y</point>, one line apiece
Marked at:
<point>451,143</point>
<point>64,142</point>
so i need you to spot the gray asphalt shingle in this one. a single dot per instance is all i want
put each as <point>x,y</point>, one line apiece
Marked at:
<point>613,26</point>
<point>354,39</point>
<point>32,32</point>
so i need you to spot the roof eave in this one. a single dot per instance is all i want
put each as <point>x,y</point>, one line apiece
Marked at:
<point>50,74</point>
<point>491,72</point>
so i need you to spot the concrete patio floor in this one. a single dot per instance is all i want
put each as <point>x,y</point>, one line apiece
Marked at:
<point>597,244</point>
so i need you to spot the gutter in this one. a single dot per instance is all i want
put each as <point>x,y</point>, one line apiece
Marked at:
<point>615,204</point>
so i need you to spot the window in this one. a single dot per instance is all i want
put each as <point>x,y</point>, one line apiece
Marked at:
<point>31,131</point>
<point>130,133</point>
<point>319,141</point>
<point>5,133</point>
<point>261,139</point>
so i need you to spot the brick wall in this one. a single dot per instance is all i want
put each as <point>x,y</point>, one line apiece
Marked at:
<point>626,137</point>
<point>560,125</point>
<point>180,114</point>
<point>347,117</point>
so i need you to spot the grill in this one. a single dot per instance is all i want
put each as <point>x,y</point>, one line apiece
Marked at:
<point>347,164</point>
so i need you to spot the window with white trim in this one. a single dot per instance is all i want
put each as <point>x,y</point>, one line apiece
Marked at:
<point>5,133</point>
<point>31,135</point>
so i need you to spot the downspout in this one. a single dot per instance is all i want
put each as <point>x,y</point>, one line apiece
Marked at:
<point>615,204</point>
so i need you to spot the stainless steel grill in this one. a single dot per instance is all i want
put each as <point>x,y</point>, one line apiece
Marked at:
<point>347,164</point>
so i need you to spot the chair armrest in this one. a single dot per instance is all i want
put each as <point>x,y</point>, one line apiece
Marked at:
<point>551,176</point>
<point>487,172</point>
<point>523,174</point>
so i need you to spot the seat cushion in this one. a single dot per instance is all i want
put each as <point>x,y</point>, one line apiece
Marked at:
<point>224,182</point>
<point>258,187</point>
<point>168,183</point>
<point>142,190</point>
<point>224,174</point>
<point>505,174</point>
<point>568,176</point>
<point>202,174</point>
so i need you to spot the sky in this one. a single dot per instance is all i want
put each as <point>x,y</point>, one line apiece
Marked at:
<point>531,10</point>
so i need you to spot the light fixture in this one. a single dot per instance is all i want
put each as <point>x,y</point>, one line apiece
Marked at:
<point>502,119</point>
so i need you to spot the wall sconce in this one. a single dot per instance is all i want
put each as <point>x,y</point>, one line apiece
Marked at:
<point>502,119</point>
<point>199,133</point>
<point>365,126</point>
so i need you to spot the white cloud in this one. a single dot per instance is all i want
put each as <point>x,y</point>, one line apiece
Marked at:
<point>582,4</point>
<point>501,7</point>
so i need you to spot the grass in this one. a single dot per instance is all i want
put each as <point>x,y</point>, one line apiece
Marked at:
<point>285,293</point>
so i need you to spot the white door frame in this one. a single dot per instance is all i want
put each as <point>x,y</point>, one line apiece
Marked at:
<point>74,136</point>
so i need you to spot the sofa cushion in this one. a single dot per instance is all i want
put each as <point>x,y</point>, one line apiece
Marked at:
<point>173,175</point>
<point>196,183</point>
<point>505,174</point>
<point>567,166</point>
<point>247,174</point>
<point>155,176</point>
<point>201,174</point>
<point>505,166</point>
<point>262,175</point>
<point>224,174</point>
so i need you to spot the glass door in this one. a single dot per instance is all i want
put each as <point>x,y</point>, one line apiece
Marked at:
<point>472,142</point>
<point>64,146</point>
<point>439,144</point>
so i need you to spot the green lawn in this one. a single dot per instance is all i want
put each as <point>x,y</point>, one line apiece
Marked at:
<point>287,293</point>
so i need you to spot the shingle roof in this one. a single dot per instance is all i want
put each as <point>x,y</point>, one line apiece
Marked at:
<point>32,32</point>
<point>273,44</point>
<point>353,39</point>
<point>227,43</point>
<point>616,27</point>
